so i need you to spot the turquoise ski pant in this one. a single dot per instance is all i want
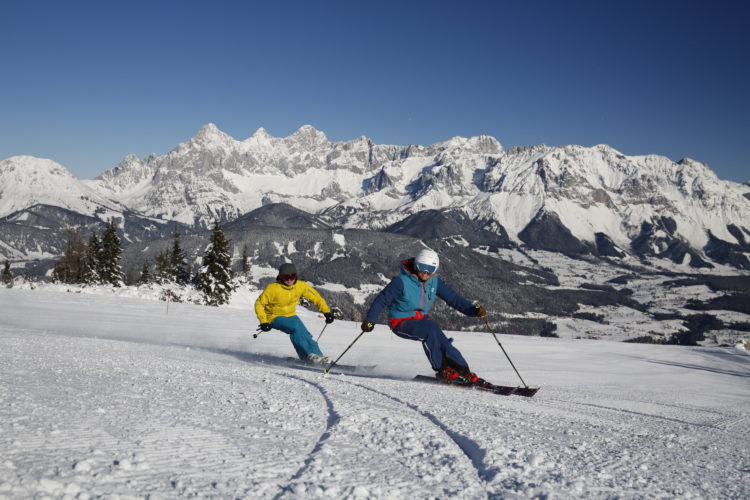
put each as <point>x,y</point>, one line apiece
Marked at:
<point>301,339</point>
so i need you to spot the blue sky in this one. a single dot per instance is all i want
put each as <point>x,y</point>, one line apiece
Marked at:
<point>86,83</point>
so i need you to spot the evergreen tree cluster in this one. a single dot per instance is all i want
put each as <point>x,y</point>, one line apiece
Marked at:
<point>171,266</point>
<point>98,263</point>
<point>95,263</point>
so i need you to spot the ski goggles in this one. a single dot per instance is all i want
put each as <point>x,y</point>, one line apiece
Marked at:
<point>425,268</point>
<point>287,277</point>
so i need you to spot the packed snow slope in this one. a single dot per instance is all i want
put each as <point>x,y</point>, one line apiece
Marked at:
<point>105,395</point>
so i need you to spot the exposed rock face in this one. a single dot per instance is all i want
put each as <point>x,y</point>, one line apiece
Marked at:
<point>605,247</point>
<point>278,215</point>
<point>437,224</point>
<point>732,254</point>
<point>546,232</point>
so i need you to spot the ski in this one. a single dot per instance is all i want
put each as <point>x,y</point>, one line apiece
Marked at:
<point>502,390</point>
<point>346,368</point>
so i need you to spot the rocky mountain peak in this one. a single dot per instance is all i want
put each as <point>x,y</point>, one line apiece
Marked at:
<point>208,129</point>
<point>210,137</point>
<point>696,168</point>
<point>261,133</point>
<point>130,171</point>
<point>485,144</point>
<point>309,136</point>
<point>260,140</point>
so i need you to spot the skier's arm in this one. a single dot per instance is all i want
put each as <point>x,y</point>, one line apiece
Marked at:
<point>260,307</point>
<point>387,295</point>
<point>453,299</point>
<point>313,296</point>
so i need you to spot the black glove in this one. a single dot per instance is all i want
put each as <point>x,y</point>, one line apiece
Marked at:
<point>479,311</point>
<point>329,317</point>
<point>367,326</point>
<point>266,327</point>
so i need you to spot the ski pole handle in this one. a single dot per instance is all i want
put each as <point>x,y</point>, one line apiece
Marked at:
<point>263,327</point>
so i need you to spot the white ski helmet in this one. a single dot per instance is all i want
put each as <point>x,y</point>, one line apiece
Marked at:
<point>428,258</point>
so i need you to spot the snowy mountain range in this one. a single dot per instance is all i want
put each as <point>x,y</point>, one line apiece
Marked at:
<point>572,199</point>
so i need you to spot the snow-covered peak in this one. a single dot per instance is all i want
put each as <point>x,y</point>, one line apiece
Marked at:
<point>260,140</point>
<point>452,143</point>
<point>309,136</point>
<point>130,171</point>
<point>485,144</point>
<point>481,144</point>
<point>697,168</point>
<point>130,162</point>
<point>261,133</point>
<point>31,169</point>
<point>210,137</point>
<point>208,130</point>
<point>26,181</point>
<point>307,130</point>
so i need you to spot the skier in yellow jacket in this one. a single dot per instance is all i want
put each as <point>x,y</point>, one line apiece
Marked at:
<point>276,308</point>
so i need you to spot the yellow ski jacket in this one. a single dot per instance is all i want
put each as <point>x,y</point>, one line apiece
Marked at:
<point>281,300</point>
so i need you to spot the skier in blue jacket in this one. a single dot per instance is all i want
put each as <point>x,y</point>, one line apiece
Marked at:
<point>408,298</point>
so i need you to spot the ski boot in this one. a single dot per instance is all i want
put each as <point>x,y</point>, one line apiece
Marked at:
<point>474,379</point>
<point>450,375</point>
<point>317,359</point>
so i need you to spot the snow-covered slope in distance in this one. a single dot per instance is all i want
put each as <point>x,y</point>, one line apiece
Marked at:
<point>110,396</point>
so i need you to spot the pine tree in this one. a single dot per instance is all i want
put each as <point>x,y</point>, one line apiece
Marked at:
<point>90,274</point>
<point>132,276</point>
<point>69,267</point>
<point>245,263</point>
<point>110,270</point>
<point>178,262</point>
<point>145,277</point>
<point>7,275</point>
<point>163,268</point>
<point>215,277</point>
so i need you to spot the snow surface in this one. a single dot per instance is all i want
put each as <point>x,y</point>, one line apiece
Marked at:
<point>106,395</point>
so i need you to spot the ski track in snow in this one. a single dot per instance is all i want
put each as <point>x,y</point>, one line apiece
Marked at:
<point>128,417</point>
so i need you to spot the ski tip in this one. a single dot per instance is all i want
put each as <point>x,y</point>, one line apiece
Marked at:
<point>526,391</point>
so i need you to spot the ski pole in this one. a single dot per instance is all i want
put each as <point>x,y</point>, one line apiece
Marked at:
<point>503,348</point>
<point>255,335</point>
<point>321,332</point>
<point>342,354</point>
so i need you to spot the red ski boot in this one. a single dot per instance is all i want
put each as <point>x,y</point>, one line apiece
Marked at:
<point>449,374</point>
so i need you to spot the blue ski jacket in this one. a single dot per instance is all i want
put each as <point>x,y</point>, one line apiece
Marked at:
<point>406,297</point>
